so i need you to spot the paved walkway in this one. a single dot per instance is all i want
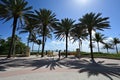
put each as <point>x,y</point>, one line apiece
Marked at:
<point>35,68</point>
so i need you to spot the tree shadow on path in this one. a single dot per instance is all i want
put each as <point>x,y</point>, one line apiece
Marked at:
<point>51,63</point>
<point>83,65</point>
<point>35,63</point>
<point>96,68</point>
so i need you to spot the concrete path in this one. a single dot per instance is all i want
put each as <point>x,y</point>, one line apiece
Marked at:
<point>35,68</point>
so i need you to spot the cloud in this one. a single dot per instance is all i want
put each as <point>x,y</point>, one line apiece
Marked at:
<point>108,39</point>
<point>101,46</point>
<point>56,42</point>
<point>61,45</point>
<point>93,33</point>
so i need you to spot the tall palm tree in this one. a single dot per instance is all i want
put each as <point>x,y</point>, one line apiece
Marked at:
<point>63,30</point>
<point>30,25</point>
<point>46,35</point>
<point>46,20</point>
<point>17,40</point>
<point>27,30</point>
<point>94,21</point>
<point>107,46</point>
<point>79,33</point>
<point>99,39</point>
<point>39,43</point>
<point>33,39</point>
<point>115,41</point>
<point>16,10</point>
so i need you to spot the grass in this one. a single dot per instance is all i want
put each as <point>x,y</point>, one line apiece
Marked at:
<point>106,55</point>
<point>96,55</point>
<point>82,54</point>
<point>102,55</point>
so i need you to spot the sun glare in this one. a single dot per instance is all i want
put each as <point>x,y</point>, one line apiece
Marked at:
<point>81,1</point>
<point>84,1</point>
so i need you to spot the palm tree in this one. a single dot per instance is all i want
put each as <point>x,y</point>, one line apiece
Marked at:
<point>33,39</point>
<point>47,35</point>
<point>46,20</point>
<point>79,33</point>
<point>99,39</point>
<point>94,21</point>
<point>16,10</point>
<point>63,30</point>
<point>115,41</point>
<point>26,30</point>
<point>93,45</point>
<point>30,25</point>
<point>17,40</point>
<point>39,43</point>
<point>107,46</point>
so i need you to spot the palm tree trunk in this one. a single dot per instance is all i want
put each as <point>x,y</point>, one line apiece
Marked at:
<point>28,40</point>
<point>13,36</point>
<point>98,47</point>
<point>13,50</point>
<point>107,50</point>
<point>79,48</point>
<point>38,48</point>
<point>33,47</point>
<point>116,49</point>
<point>66,46</point>
<point>79,45</point>
<point>91,49</point>
<point>43,44</point>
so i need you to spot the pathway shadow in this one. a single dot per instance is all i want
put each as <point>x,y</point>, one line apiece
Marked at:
<point>37,63</point>
<point>54,63</point>
<point>6,63</point>
<point>2,68</point>
<point>82,65</point>
<point>96,68</point>
<point>49,63</point>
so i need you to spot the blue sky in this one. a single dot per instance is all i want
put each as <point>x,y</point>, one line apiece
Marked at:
<point>73,9</point>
